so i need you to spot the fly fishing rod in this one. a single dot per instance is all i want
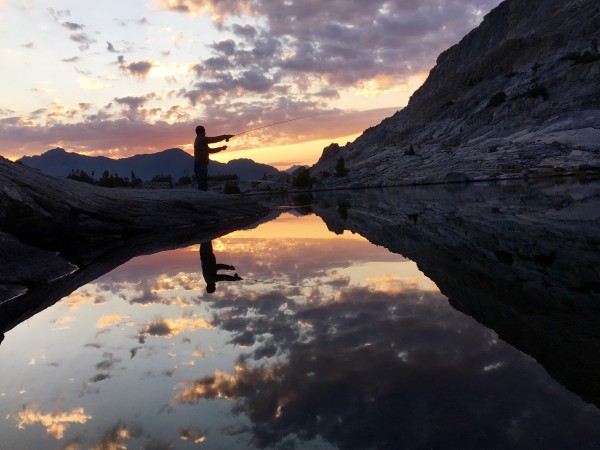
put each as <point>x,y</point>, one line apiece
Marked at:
<point>277,123</point>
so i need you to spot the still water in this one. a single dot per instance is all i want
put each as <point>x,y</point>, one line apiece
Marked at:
<point>327,341</point>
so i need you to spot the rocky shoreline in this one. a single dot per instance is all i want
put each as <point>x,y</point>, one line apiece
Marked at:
<point>56,233</point>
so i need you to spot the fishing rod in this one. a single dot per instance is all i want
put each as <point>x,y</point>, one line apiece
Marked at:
<point>277,123</point>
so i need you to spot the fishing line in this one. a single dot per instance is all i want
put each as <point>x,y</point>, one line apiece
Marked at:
<point>277,123</point>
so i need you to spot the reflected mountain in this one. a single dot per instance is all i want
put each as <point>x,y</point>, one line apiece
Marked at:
<point>521,259</point>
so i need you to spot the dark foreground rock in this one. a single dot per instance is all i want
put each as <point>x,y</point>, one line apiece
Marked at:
<point>521,259</point>
<point>57,234</point>
<point>48,211</point>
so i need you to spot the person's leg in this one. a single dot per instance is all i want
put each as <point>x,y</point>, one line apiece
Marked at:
<point>201,171</point>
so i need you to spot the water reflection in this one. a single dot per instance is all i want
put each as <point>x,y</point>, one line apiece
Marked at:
<point>210,268</point>
<point>521,258</point>
<point>376,369</point>
<point>328,341</point>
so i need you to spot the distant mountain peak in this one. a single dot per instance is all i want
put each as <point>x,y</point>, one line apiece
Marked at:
<point>173,161</point>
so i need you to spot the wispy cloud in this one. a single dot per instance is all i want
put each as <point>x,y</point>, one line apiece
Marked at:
<point>77,35</point>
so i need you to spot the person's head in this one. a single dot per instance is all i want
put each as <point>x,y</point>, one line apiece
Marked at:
<point>200,131</point>
<point>211,287</point>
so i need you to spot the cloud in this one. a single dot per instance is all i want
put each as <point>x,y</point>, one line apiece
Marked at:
<point>109,321</point>
<point>246,31</point>
<point>194,435</point>
<point>77,35</point>
<point>140,69</point>
<point>374,368</point>
<point>93,84</point>
<point>226,46</point>
<point>111,48</point>
<point>72,59</point>
<point>83,39</point>
<point>73,26</point>
<point>117,436</point>
<point>103,130</point>
<point>169,328</point>
<point>249,81</point>
<point>133,102</point>
<point>56,422</point>
<point>344,41</point>
<point>59,15</point>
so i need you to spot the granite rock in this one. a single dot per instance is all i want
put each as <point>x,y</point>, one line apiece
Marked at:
<point>518,96</point>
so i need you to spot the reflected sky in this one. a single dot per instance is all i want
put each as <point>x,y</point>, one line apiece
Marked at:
<point>327,342</point>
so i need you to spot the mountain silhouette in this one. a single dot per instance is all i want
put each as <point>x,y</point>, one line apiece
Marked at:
<point>174,162</point>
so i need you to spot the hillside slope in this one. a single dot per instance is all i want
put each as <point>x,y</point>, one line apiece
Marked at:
<point>519,95</point>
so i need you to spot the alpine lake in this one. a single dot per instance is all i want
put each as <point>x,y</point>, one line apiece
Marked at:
<point>439,317</point>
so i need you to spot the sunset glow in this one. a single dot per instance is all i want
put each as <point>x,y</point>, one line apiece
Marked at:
<point>121,78</point>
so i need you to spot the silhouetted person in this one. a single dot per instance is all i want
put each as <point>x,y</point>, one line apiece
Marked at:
<point>201,151</point>
<point>210,268</point>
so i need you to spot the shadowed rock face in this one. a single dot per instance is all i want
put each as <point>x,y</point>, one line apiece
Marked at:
<point>47,211</point>
<point>58,234</point>
<point>521,259</point>
<point>518,95</point>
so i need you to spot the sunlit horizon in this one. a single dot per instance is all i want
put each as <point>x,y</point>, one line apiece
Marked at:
<point>136,78</point>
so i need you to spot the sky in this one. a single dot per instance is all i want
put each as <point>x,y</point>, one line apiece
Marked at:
<point>123,78</point>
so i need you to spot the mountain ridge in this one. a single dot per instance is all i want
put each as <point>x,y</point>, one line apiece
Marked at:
<point>174,161</point>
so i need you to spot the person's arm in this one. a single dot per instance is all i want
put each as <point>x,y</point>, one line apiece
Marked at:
<point>225,277</point>
<point>215,139</point>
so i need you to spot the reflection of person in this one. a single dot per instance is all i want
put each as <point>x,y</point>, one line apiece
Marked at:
<point>201,151</point>
<point>210,268</point>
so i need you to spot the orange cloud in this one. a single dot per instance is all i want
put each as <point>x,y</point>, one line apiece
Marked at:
<point>56,423</point>
<point>107,321</point>
<point>218,10</point>
<point>172,327</point>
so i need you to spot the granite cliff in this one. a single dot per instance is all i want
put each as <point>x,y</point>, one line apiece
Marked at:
<point>518,96</point>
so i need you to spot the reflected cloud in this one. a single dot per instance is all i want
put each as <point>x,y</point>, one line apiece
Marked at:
<point>396,283</point>
<point>117,437</point>
<point>63,320</point>
<point>56,422</point>
<point>194,435</point>
<point>172,327</point>
<point>79,297</point>
<point>108,363</point>
<point>346,367</point>
<point>109,321</point>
